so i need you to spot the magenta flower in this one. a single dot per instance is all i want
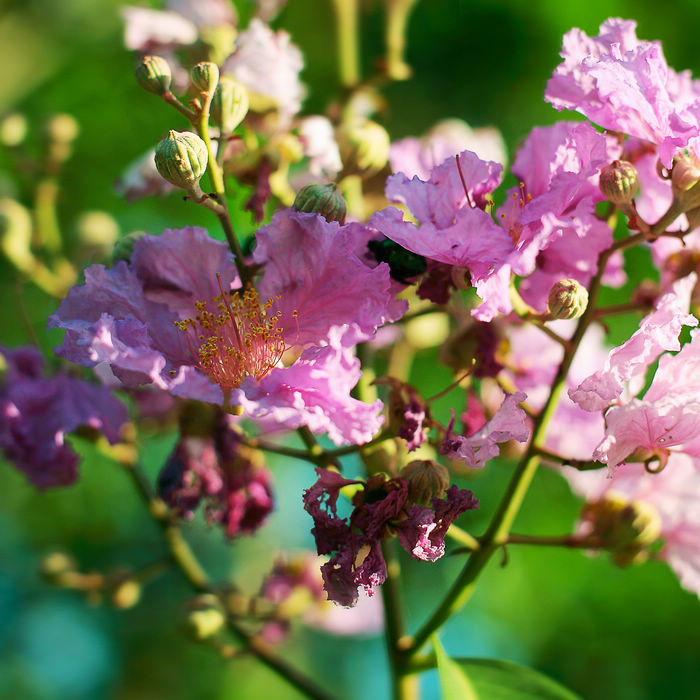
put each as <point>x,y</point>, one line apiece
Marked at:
<point>673,493</point>
<point>150,320</point>
<point>657,332</point>
<point>38,412</point>
<point>232,483</point>
<point>509,423</point>
<point>624,84</point>
<point>380,508</point>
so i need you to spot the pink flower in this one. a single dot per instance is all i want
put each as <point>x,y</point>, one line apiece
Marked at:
<point>417,157</point>
<point>624,84</point>
<point>454,228</point>
<point>673,492</point>
<point>38,412</point>
<point>268,64</point>
<point>146,29</point>
<point>668,418</point>
<point>509,423</point>
<point>657,332</point>
<point>150,321</point>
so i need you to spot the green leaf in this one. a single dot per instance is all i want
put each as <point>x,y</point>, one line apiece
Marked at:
<point>492,679</point>
<point>454,684</point>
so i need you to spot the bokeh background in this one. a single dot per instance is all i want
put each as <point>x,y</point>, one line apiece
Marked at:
<point>605,632</point>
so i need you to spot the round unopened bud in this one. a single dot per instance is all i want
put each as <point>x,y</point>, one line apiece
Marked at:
<point>618,182</point>
<point>325,200</point>
<point>124,247</point>
<point>427,479</point>
<point>205,76</point>
<point>13,129</point>
<point>153,74</point>
<point>181,158</point>
<point>229,104</point>
<point>55,565</point>
<point>97,229</point>
<point>61,128</point>
<point>686,172</point>
<point>204,617</point>
<point>626,528</point>
<point>363,145</point>
<point>126,594</point>
<point>567,299</point>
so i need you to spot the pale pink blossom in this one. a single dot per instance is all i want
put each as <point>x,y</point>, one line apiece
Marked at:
<point>657,332</point>
<point>624,84</point>
<point>145,29</point>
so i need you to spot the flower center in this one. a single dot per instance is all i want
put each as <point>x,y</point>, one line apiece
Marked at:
<point>236,341</point>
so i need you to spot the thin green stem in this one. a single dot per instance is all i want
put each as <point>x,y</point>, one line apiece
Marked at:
<point>497,533</point>
<point>404,679</point>
<point>174,102</point>
<point>347,32</point>
<point>187,563</point>
<point>397,14</point>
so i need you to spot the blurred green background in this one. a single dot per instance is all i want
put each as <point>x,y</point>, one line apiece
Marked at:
<point>604,632</point>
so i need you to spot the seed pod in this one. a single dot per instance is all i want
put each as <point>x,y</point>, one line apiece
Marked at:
<point>567,299</point>
<point>124,247</point>
<point>153,74</point>
<point>618,182</point>
<point>181,158</point>
<point>322,199</point>
<point>229,105</point>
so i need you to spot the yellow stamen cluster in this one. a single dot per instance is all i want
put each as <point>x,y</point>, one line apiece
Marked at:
<point>239,340</point>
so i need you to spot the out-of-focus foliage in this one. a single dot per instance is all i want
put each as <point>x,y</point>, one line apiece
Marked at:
<point>601,631</point>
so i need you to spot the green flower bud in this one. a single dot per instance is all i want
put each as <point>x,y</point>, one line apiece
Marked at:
<point>567,299</point>
<point>126,594</point>
<point>153,74</point>
<point>618,182</point>
<point>62,128</point>
<point>364,147</point>
<point>181,159</point>
<point>322,199</point>
<point>204,617</point>
<point>626,528</point>
<point>13,129</point>
<point>426,479</point>
<point>229,105</point>
<point>205,76</point>
<point>124,247</point>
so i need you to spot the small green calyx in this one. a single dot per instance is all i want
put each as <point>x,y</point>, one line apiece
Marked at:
<point>205,76</point>
<point>153,74</point>
<point>322,199</point>
<point>124,247</point>
<point>181,159</point>
<point>229,105</point>
<point>567,299</point>
<point>619,182</point>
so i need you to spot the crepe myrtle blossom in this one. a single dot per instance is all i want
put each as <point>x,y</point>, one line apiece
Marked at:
<point>508,423</point>
<point>175,316</point>
<point>418,156</point>
<point>657,333</point>
<point>624,84</point>
<point>37,413</point>
<point>672,493</point>
<point>381,507</point>
<point>268,64</point>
